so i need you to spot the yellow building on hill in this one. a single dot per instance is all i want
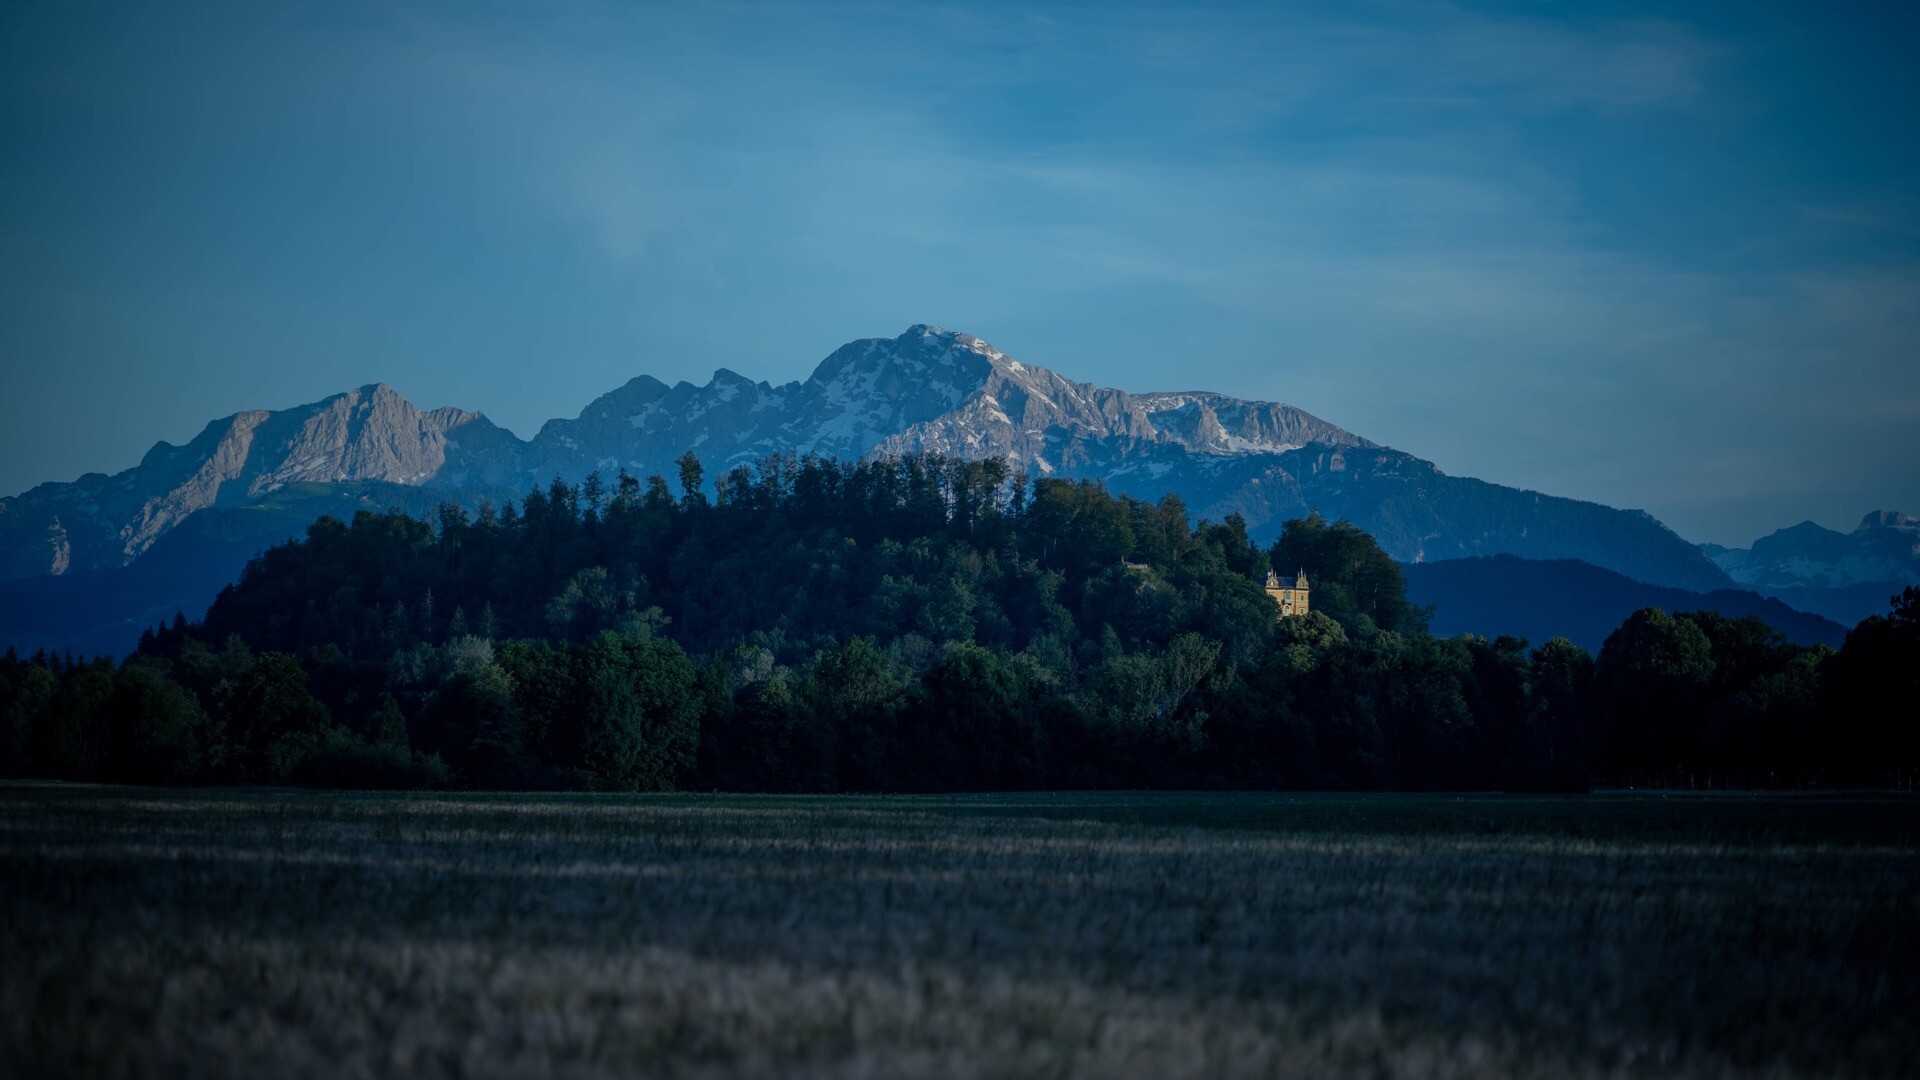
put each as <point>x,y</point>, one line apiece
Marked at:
<point>1291,599</point>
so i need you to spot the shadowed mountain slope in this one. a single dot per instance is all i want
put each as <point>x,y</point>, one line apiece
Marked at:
<point>1541,599</point>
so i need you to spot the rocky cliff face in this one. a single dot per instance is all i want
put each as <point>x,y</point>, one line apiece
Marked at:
<point>925,390</point>
<point>368,434</point>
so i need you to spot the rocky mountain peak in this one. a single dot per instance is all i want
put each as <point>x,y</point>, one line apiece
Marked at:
<point>615,405</point>
<point>920,352</point>
<point>1888,519</point>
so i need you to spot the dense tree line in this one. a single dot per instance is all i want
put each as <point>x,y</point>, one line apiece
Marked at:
<point>914,624</point>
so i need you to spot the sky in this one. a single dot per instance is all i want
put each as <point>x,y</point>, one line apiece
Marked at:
<point>1658,256</point>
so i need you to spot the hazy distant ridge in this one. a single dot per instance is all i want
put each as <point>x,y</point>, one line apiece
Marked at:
<point>1844,576</point>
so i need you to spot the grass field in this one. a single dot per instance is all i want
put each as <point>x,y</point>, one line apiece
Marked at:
<point>276,933</point>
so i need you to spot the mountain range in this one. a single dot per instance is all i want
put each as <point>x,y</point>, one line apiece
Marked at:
<point>258,477</point>
<point>1843,576</point>
<point>928,389</point>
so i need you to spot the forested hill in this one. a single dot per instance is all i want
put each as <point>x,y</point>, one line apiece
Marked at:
<point>790,558</point>
<point>916,623</point>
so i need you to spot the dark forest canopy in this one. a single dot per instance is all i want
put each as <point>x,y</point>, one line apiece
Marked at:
<point>919,624</point>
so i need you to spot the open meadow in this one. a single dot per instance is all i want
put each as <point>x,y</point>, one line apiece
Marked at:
<point>151,932</point>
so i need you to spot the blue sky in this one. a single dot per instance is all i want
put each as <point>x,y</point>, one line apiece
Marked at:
<point>1664,257</point>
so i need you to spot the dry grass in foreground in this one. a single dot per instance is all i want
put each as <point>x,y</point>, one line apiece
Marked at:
<point>236,933</point>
